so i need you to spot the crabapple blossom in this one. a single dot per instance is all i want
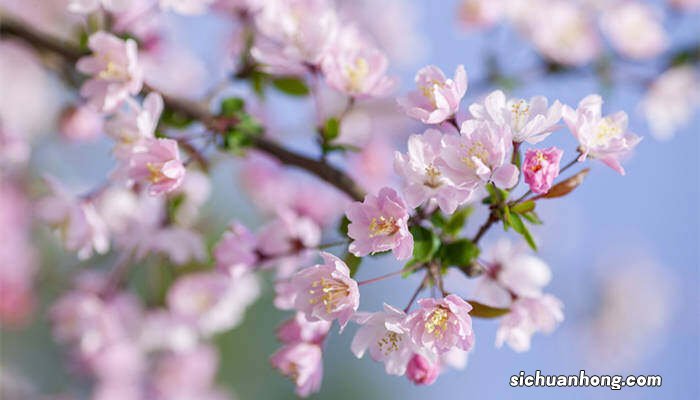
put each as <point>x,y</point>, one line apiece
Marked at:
<point>441,324</point>
<point>511,272</point>
<point>213,301</point>
<point>387,338</point>
<point>480,154</point>
<point>527,316</point>
<point>287,242</point>
<point>634,30</point>
<point>422,371</point>
<point>186,7</point>
<point>294,34</point>
<point>437,98</point>
<point>326,291</point>
<point>156,162</point>
<point>423,175</point>
<point>529,121</point>
<point>302,363</point>
<point>114,69</point>
<point>236,249</point>
<point>603,138</point>
<point>81,123</point>
<point>88,6</point>
<point>541,167</point>
<point>356,68</point>
<point>380,224</point>
<point>671,100</point>
<point>300,329</point>
<point>79,225</point>
<point>194,370</point>
<point>134,123</point>
<point>480,13</point>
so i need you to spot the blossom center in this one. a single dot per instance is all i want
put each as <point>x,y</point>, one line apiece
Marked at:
<point>478,151</point>
<point>356,73</point>
<point>389,343</point>
<point>329,292</point>
<point>432,176</point>
<point>539,159</point>
<point>156,173</point>
<point>383,226</point>
<point>520,111</point>
<point>113,72</point>
<point>437,322</point>
<point>606,131</point>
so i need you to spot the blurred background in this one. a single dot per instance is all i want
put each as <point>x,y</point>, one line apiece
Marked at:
<point>623,250</point>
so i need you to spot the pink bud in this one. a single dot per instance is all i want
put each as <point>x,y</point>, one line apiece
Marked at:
<point>421,371</point>
<point>541,167</point>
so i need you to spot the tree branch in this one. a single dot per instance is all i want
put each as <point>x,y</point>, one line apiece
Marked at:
<point>71,53</point>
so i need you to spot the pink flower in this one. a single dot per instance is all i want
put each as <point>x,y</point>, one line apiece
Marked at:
<point>422,371</point>
<point>302,363</point>
<point>287,242</point>
<point>186,7</point>
<point>80,227</point>
<point>326,291</point>
<point>156,162</point>
<point>604,138</point>
<point>569,37</point>
<point>380,223</point>
<point>440,325</point>
<point>81,123</point>
<point>529,121</point>
<point>115,71</point>
<point>634,30</point>
<point>672,100</point>
<point>387,339</point>
<point>527,316</point>
<point>294,34</point>
<point>212,301</point>
<point>481,154</point>
<point>437,97</point>
<point>89,6</point>
<point>541,167</point>
<point>512,272</point>
<point>356,68</point>
<point>236,249</point>
<point>480,13</point>
<point>424,178</point>
<point>134,123</point>
<point>186,375</point>
<point>301,329</point>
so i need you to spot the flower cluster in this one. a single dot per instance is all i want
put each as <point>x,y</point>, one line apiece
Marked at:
<point>364,200</point>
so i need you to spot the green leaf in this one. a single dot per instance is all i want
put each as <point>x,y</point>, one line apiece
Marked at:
<point>258,80</point>
<point>343,226</point>
<point>506,218</point>
<point>353,262</point>
<point>438,220</point>
<point>480,310</point>
<point>175,119</point>
<point>456,222</point>
<point>332,129</point>
<point>518,226</point>
<point>523,207</point>
<point>291,85</point>
<point>497,195</point>
<point>532,217</point>
<point>425,243</point>
<point>231,106</point>
<point>459,253</point>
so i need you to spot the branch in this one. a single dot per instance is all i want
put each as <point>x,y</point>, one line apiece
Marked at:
<point>71,53</point>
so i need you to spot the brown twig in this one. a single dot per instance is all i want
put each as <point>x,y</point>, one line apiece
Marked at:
<point>71,53</point>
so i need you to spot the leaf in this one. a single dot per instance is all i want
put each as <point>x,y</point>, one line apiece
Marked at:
<point>353,262</point>
<point>518,226</point>
<point>343,226</point>
<point>567,186</point>
<point>291,85</point>
<point>456,222</point>
<point>506,218</point>
<point>480,310</point>
<point>425,243</point>
<point>532,217</point>
<point>332,129</point>
<point>438,220</point>
<point>231,106</point>
<point>175,119</point>
<point>523,207</point>
<point>459,253</point>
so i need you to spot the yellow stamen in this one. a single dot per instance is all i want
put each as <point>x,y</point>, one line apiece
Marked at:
<point>437,322</point>
<point>329,292</point>
<point>383,226</point>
